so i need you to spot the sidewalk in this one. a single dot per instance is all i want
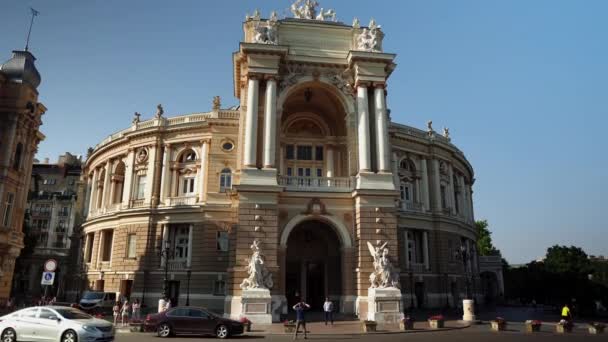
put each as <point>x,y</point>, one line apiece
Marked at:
<point>351,328</point>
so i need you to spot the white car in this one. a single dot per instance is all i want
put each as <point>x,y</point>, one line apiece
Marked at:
<point>54,323</point>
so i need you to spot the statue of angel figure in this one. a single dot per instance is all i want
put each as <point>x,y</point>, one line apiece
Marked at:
<point>384,274</point>
<point>259,276</point>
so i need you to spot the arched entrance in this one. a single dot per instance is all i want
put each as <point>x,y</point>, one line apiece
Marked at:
<point>313,264</point>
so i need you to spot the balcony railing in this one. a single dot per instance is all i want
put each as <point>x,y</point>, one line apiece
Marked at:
<point>411,206</point>
<point>177,265</point>
<point>184,200</point>
<point>324,184</point>
<point>137,203</point>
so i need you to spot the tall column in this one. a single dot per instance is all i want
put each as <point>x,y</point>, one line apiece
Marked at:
<point>190,236</point>
<point>166,168</point>
<point>203,171</point>
<point>425,250</point>
<point>425,185</point>
<point>106,184</point>
<point>406,249</point>
<point>163,258</point>
<point>436,185</point>
<point>281,161</point>
<point>383,150</point>
<point>395,163</point>
<point>329,156</point>
<point>8,148</point>
<point>128,187</point>
<point>251,124</point>
<point>87,196</point>
<point>270,123</point>
<point>471,207</point>
<point>363,129</point>
<point>451,188</point>
<point>150,174</point>
<point>462,202</point>
<point>92,201</point>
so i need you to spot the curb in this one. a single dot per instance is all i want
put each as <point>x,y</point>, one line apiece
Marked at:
<point>263,333</point>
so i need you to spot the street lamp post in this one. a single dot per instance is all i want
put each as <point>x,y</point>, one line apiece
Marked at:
<point>188,274</point>
<point>411,291</point>
<point>468,304</point>
<point>164,253</point>
<point>465,256</point>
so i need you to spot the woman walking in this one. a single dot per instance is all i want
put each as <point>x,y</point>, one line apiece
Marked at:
<point>116,311</point>
<point>136,310</point>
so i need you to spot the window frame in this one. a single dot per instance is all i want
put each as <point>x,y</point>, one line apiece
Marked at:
<point>219,235</point>
<point>9,205</point>
<point>131,246</point>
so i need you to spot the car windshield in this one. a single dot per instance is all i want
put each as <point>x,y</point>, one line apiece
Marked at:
<point>93,295</point>
<point>73,314</point>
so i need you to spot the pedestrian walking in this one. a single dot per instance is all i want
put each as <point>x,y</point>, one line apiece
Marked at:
<point>300,318</point>
<point>116,312</point>
<point>124,313</point>
<point>168,306</point>
<point>136,307</point>
<point>328,309</point>
<point>566,314</point>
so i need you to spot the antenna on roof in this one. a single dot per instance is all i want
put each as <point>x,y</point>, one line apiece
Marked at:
<point>34,14</point>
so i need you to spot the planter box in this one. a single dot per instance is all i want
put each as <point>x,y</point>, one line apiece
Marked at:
<point>498,326</point>
<point>532,327</point>
<point>436,324</point>
<point>289,328</point>
<point>596,330</point>
<point>369,326</point>
<point>406,325</point>
<point>560,328</point>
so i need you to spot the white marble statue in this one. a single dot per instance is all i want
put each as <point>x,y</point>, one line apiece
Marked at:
<point>329,14</point>
<point>256,14</point>
<point>259,276</point>
<point>384,274</point>
<point>274,17</point>
<point>370,38</point>
<point>266,33</point>
<point>446,132</point>
<point>356,23</point>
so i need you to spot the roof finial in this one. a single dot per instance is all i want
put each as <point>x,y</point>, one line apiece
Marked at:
<point>29,32</point>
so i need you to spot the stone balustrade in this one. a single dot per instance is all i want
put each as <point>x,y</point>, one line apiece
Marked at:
<point>323,184</point>
<point>180,201</point>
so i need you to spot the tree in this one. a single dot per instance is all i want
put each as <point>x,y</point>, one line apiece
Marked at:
<point>484,239</point>
<point>567,260</point>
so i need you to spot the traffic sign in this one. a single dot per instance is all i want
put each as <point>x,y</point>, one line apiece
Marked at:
<point>50,265</point>
<point>48,278</point>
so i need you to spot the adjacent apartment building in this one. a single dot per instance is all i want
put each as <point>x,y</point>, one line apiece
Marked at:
<point>20,120</point>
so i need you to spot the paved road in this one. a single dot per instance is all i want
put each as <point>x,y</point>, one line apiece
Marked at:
<point>473,334</point>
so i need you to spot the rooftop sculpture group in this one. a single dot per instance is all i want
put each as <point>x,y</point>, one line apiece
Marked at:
<point>370,38</point>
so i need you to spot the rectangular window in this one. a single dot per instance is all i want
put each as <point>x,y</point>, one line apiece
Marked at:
<point>307,172</point>
<point>222,241</point>
<point>141,187</point>
<point>188,186</point>
<point>8,209</point>
<point>443,197</point>
<point>319,153</point>
<point>219,287</point>
<point>64,211</point>
<point>289,152</point>
<point>181,236</point>
<point>319,172</point>
<point>300,172</point>
<point>289,172</point>
<point>89,247</point>
<point>131,246</point>
<point>304,152</point>
<point>61,226</point>
<point>108,237</point>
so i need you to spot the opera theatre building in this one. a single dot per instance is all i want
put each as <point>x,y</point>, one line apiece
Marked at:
<point>304,190</point>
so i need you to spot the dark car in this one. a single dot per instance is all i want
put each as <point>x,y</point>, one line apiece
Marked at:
<point>191,321</point>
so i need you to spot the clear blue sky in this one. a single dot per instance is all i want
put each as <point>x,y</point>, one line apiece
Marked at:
<point>522,85</point>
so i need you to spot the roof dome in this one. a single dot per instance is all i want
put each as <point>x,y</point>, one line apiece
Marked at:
<point>21,68</point>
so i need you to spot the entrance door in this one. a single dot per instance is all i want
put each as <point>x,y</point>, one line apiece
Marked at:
<point>174,292</point>
<point>125,288</point>
<point>292,277</point>
<point>315,284</point>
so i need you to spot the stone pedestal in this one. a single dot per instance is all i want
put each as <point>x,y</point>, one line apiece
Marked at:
<point>256,305</point>
<point>384,305</point>
<point>468,309</point>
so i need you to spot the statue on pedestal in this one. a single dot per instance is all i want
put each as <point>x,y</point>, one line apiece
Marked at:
<point>159,111</point>
<point>384,274</point>
<point>259,276</point>
<point>266,33</point>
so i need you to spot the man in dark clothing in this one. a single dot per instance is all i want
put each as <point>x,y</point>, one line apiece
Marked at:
<point>300,320</point>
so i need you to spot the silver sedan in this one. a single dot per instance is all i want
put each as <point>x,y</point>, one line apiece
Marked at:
<point>54,323</point>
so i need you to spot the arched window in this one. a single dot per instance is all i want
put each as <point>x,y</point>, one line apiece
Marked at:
<point>408,180</point>
<point>187,173</point>
<point>18,156</point>
<point>225,180</point>
<point>118,181</point>
<point>100,180</point>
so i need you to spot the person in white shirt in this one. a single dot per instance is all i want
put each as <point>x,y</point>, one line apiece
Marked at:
<point>328,308</point>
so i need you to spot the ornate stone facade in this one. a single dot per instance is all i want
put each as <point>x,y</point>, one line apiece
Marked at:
<point>20,119</point>
<point>309,164</point>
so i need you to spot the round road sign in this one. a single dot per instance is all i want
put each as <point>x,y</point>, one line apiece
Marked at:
<point>50,265</point>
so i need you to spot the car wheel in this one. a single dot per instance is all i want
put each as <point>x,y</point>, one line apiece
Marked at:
<point>9,335</point>
<point>69,336</point>
<point>221,331</point>
<point>164,330</point>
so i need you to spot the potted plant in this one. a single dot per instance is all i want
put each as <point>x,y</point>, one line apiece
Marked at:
<point>499,324</point>
<point>369,326</point>
<point>564,326</point>
<point>406,323</point>
<point>596,328</point>
<point>436,322</point>
<point>246,323</point>
<point>533,325</point>
<point>290,326</point>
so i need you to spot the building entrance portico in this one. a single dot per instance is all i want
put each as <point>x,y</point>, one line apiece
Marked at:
<point>313,263</point>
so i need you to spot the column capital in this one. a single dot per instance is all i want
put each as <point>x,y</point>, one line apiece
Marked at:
<point>271,78</point>
<point>254,77</point>
<point>379,85</point>
<point>362,84</point>
<point>205,141</point>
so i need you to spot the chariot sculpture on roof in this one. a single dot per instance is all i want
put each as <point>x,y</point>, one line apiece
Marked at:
<point>307,9</point>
